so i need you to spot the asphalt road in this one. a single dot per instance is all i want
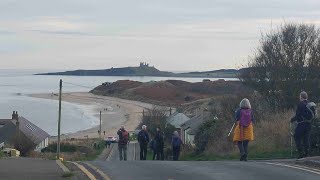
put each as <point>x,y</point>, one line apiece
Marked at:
<point>132,153</point>
<point>29,168</point>
<point>228,170</point>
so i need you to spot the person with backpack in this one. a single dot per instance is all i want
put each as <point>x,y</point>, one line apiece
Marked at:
<point>243,132</point>
<point>176,145</point>
<point>159,140</point>
<point>143,139</point>
<point>123,143</point>
<point>305,113</point>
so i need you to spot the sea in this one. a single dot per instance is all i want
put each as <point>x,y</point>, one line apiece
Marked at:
<point>16,85</point>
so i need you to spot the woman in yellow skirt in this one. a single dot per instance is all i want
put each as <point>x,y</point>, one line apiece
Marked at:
<point>243,133</point>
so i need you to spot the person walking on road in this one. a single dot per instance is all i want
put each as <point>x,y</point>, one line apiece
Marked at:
<point>243,132</point>
<point>123,143</point>
<point>176,145</point>
<point>303,130</point>
<point>159,140</point>
<point>143,139</point>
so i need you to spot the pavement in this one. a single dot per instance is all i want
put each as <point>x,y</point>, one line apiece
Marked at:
<point>310,161</point>
<point>29,168</point>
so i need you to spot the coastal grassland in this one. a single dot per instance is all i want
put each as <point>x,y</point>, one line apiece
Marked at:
<point>271,132</point>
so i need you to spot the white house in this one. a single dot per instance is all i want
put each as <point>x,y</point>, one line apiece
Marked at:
<point>10,128</point>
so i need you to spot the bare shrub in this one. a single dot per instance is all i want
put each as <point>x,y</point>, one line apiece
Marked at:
<point>156,117</point>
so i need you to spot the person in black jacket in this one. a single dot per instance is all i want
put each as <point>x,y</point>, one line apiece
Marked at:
<point>303,129</point>
<point>159,140</point>
<point>143,139</point>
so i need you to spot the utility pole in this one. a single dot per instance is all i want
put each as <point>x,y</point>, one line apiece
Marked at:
<point>100,126</point>
<point>59,120</point>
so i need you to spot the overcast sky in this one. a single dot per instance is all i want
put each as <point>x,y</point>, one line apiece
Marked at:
<point>178,35</point>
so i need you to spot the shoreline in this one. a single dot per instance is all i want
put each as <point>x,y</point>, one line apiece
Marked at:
<point>115,112</point>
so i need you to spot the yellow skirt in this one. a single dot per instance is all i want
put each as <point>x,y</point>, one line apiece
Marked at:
<point>243,134</point>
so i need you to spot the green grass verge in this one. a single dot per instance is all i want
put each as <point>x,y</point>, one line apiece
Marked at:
<point>98,150</point>
<point>1,154</point>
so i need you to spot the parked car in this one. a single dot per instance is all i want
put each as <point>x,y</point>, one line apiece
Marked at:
<point>112,139</point>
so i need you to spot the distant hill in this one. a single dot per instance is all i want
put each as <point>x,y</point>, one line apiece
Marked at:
<point>145,70</point>
<point>173,92</point>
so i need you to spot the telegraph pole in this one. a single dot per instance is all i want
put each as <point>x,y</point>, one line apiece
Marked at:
<point>59,120</point>
<point>100,126</point>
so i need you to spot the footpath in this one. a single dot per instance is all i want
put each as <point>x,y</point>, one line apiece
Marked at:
<point>310,161</point>
<point>29,168</point>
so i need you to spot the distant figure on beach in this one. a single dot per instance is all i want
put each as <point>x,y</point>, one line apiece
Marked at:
<point>104,133</point>
<point>143,139</point>
<point>123,143</point>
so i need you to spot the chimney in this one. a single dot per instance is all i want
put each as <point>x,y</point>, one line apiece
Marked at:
<point>13,115</point>
<point>17,116</point>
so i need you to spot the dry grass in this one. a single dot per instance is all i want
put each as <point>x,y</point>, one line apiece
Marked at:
<point>84,151</point>
<point>273,134</point>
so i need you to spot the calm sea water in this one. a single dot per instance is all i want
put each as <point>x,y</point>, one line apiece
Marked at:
<point>15,84</point>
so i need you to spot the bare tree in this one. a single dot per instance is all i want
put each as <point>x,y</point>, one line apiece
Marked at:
<point>286,62</point>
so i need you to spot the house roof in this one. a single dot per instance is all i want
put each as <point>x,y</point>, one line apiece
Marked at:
<point>177,119</point>
<point>7,132</point>
<point>4,121</point>
<point>31,131</point>
<point>195,122</point>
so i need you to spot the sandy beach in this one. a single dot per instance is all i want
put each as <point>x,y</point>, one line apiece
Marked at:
<point>115,112</point>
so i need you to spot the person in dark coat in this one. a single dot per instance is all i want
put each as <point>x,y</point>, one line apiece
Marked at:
<point>176,145</point>
<point>123,143</point>
<point>303,129</point>
<point>159,140</point>
<point>143,139</point>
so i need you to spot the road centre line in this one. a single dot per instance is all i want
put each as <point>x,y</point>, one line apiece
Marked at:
<point>315,171</point>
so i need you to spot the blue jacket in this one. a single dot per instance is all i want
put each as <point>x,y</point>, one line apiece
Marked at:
<point>143,137</point>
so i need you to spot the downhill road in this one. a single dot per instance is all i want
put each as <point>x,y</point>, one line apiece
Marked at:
<point>229,170</point>
<point>132,153</point>
<point>185,170</point>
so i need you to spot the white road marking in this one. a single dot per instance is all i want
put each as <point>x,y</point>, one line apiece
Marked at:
<point>315,171</point>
